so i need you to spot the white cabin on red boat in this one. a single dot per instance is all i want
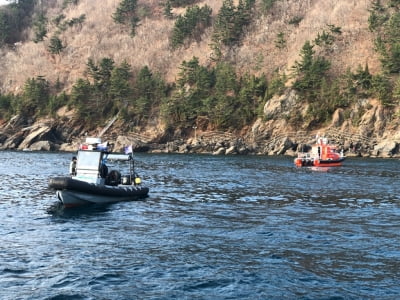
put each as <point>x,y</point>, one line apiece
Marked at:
<point>322,154</point>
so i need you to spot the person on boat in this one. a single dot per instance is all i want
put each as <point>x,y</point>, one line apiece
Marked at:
<point>72,166</point>
<point>103,170</point>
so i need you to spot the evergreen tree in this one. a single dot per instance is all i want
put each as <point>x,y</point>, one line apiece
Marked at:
<point>81,92</point>
<point>309,70</point>
<point>168,10</point>
<point>126,14</point>
<point>382,89</point>
<point>225,24</point>
<point>250,97</point>
<point>14,19</point>
<point>277,85</point>
<point>101,76</point>
<point>324,39</point>
<point>177,3</point>
<point>394,3</point>
<point>191,25</point>
<point>125,11</point>
<point>396,91</point>
<point>230,24</point>
<point>5,28</point>
<point>225,97</point>
<point>56,46</point>
<point>8,105</point>
<point>280,41</point>
<point>55,102</point>
<point>194,85</point>
<point>36,95</point>
<point>307,53</point>
<point>82,97</point>
<point>120,86</point>
<point>147,94</point>
<point>363,78</point>
<point>385,22</point>
<point>40,28</point>
<point>393,41</point>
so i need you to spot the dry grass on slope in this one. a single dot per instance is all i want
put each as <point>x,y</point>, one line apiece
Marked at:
<point>100,37</point>
<point>354,47</point>
<point>97,38</point>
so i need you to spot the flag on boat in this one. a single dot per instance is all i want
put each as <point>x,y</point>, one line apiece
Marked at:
<point>128,149</point>
<point>103,146</point>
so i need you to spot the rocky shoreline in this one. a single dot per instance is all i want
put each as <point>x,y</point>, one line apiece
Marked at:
<point>51,135</point>
<point>376,133</point>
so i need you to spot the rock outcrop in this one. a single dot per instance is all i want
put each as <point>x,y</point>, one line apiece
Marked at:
<point>273,134</point>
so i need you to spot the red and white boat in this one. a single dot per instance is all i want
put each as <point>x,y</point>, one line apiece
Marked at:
<point>322,154</point>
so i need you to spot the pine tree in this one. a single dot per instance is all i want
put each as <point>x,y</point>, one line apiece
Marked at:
<point>307,53</point>
<point>280,41</point>
<point>101,76</point>
<point>126,14</point>
<point>396,91</point>
<point>4,28</point>
<point>309,71</point>
<point>36,94</point>
<point>168,10</point>
<point>230,24</point>
<point>382,89</point>
<point>191,25</point>
<point>40,28</point>
<point>225,24</point>
<point>120,86</point>
<point>101,73</point>
<point>82,97</point>
<point>56,46</point>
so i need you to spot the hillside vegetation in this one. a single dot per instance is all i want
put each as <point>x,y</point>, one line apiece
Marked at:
<point>211,64</point>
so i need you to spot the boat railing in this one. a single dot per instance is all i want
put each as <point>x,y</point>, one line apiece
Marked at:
<point>304,155</point>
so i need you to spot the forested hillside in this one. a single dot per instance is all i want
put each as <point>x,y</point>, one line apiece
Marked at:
<point>213,64</point>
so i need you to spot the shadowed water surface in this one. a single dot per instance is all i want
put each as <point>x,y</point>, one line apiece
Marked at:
<point>213,227</point>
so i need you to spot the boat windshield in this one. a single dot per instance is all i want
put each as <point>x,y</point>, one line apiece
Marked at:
<point>88,160</point>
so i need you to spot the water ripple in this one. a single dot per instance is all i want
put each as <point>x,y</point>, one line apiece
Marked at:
<point>212,228</point>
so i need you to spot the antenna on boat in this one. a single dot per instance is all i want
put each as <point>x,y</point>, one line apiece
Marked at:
<point>129,151</point>
<point>131,167</point>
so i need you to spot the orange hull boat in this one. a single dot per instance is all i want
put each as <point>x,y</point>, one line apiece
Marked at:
<point>322,154</point>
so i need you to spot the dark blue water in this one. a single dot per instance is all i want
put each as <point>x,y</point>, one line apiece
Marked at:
<point>214,227</point>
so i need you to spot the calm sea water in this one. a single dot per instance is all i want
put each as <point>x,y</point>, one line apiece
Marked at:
<point>213,227</point>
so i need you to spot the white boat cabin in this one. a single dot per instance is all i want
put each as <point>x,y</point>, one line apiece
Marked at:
<point>91,166</point>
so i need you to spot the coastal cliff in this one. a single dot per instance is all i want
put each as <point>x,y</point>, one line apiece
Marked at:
<point>271,135</point>
<point>295,69</point>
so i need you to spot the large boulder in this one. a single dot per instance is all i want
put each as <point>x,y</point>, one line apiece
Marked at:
<point>35,134</point>
<point>138,143</point>
<point>386,149</point>
<point>231,150</point>
<point>373,121</point>
<point>281,105</point>
<point>42,146</point>
<point>13,141</point>
<point>219,151</point>
<point>69,147</point>
<point>337,118</point>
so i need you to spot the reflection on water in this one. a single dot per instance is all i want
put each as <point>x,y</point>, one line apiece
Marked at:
<point>58,211</point>
<point>213,228</point>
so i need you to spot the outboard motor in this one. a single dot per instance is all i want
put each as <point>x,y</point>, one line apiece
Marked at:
<point>113,178</point>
